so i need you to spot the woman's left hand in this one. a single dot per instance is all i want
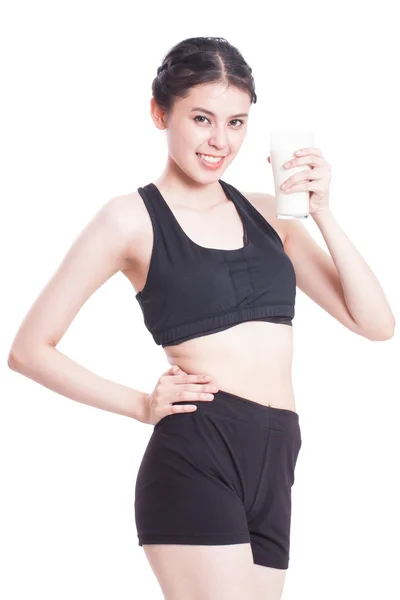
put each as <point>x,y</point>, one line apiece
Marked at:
<point>315,180</point>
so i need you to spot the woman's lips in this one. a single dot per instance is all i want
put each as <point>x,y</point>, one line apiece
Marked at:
<point>213,165</point>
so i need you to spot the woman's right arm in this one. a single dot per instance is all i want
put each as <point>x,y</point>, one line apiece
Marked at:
<point>98,253</point>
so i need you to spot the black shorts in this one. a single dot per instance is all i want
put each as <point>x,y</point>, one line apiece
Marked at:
<point>220,475</point>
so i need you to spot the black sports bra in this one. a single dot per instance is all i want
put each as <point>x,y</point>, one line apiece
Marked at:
<point>192,291</point>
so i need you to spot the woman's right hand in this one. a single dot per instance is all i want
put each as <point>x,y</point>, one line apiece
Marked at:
<point>174,386</point>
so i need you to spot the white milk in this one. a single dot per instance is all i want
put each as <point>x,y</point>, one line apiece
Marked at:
<point>283,145</point>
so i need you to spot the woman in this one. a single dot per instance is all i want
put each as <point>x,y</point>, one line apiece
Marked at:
<point>215,275</point>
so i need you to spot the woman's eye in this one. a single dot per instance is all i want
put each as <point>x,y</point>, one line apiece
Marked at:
<point>233,120</point>
<point>199,117</point>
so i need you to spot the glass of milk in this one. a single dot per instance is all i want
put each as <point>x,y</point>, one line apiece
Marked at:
<point>283,145</point>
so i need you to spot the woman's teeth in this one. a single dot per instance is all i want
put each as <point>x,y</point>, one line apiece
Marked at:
<point>211,159</point>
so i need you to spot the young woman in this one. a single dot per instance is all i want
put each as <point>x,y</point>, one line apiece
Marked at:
<point>215,275</point>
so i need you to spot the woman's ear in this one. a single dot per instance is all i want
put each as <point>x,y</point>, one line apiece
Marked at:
<point>157,114</point>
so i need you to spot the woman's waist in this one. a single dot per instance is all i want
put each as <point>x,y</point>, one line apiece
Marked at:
<point>254,368</point>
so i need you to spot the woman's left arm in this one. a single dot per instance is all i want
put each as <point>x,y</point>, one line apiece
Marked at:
<point>363,294</point>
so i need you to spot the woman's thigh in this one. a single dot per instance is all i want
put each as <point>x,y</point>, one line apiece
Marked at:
<point>189,572</point>
<point>268,583</point>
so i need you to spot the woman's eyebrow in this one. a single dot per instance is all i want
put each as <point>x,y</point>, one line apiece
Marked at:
<point>213,115</point>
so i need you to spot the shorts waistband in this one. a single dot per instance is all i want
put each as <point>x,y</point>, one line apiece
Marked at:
<point>243,409</point>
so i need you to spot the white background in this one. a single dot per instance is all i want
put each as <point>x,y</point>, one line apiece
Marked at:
<point>76,131</point>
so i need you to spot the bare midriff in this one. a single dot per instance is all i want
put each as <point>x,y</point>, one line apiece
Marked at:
<point>251,359</point>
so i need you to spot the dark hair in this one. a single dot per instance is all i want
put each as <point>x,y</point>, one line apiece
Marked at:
<point>196,61</point>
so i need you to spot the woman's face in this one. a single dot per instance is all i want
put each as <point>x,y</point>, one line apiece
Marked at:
<point>191,129</point>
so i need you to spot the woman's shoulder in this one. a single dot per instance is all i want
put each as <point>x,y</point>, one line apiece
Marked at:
<point>130,212</point>
<point>266,205</point>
